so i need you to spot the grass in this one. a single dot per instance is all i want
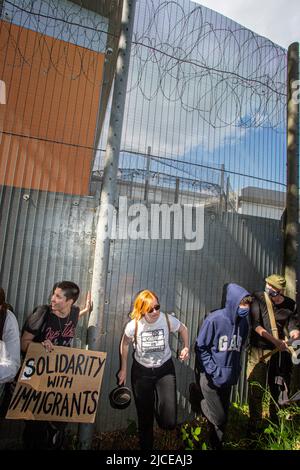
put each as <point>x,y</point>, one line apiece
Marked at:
<point>193,435</point>
<point>127,439</point>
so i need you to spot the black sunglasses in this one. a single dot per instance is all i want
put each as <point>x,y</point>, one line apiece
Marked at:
<point>156,308</point>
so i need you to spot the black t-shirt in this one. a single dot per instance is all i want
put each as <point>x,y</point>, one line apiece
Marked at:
<point>285,315</point>
<point>44,324</point>
<point>61,331</point>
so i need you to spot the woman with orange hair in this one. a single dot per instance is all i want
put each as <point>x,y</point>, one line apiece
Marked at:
<point>153,374</point>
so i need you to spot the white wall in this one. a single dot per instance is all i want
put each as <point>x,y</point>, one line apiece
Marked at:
<point>260,210</point>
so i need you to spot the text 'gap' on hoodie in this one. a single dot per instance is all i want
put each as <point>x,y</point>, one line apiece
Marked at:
<point>220,340</point>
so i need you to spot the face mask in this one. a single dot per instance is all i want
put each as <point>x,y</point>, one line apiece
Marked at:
<point>243,311</point>
<point>271,292</point>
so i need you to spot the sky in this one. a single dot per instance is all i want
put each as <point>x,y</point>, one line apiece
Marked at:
<point>278,20</point>
<point>205,130</point>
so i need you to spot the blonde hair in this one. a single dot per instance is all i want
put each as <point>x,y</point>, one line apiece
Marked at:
<point>142,304</point>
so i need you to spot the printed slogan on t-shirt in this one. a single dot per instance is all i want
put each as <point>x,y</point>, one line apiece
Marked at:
<point>153,341</point>
<point>63,385</point>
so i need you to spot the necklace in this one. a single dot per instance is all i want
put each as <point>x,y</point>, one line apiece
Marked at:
<point>65,323</point>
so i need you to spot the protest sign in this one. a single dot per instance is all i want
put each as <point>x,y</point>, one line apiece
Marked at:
<point>63,385</point>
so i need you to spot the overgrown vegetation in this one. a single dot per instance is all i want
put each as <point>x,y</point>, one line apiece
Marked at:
<point>284,434</point>
<point>194,435</point>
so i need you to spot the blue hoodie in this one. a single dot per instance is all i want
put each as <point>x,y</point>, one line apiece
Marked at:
<point>220,340</point>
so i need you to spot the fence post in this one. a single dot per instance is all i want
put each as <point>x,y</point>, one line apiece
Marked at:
<point>107,197</point>
<point>147,175</point>
<point>292,195</point>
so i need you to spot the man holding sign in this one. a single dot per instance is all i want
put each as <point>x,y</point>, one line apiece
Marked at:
<point>51,325</point>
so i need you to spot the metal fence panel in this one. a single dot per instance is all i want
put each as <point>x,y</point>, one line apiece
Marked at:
<point>47,237</point>
<point>190,284</point>
<point>204,123</point>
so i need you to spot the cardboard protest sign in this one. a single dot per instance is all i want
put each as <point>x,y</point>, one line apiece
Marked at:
<point>63,385</point>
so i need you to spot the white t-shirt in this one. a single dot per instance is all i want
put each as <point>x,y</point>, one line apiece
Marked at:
<point>152,348</point>
<point>9,349</point>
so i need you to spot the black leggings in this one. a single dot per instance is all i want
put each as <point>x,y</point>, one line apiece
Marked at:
<point>154,392</point>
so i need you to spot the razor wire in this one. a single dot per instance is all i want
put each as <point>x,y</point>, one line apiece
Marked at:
<point>59,20</point>
<point>230,61</point>
<point>186,48</point>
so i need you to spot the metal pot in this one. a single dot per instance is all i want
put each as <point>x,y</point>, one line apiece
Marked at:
<point>120,397</point>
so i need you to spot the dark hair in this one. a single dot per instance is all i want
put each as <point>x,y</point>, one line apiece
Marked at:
<point>3,305</point>
<point>2,296</point>
<point>70,289</point>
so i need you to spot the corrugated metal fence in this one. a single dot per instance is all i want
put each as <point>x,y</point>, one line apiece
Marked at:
<point>56,242</point>
<point>204,124</point>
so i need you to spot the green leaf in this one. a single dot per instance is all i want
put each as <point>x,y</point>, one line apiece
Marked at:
<point>269,430</point>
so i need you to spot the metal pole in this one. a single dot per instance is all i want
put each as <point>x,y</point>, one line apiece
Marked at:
<point>227,194</point>
<point>292,196</point>
<point>147,173</point>
<point>222,176</point>
<point>177,184</point>
<point>108,193</point>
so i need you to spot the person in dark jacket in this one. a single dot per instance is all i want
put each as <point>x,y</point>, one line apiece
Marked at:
<point>218,348</point>
<point>265,367</point>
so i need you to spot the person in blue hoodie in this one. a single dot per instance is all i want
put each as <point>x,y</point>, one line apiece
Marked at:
<point>218,349</point>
